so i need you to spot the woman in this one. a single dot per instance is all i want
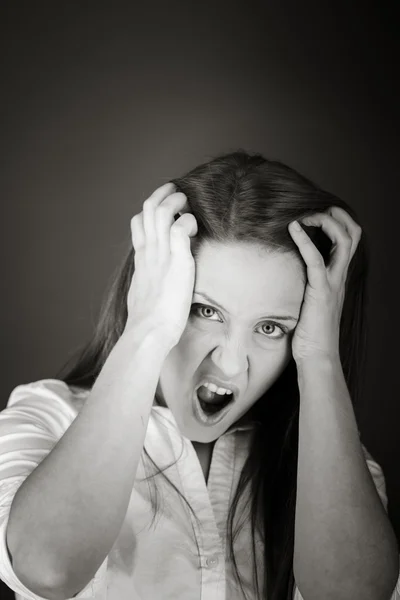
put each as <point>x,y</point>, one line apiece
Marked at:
<point>204,444</point>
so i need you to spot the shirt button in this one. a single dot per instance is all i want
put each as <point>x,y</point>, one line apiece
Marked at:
<point>212,561</point>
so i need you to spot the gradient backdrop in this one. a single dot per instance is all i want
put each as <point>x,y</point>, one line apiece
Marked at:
<point>102,105</point>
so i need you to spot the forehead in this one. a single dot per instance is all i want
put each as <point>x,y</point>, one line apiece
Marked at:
<point>240,276</point>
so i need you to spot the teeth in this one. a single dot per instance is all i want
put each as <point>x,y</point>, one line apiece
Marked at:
<point>214,388</point>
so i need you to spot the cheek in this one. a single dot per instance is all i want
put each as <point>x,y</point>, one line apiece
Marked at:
<point>274,352</point>
<point>182,360</point>
<point>171,368</point>
<point>199,339</point>
<point>283,356</point>
<point>195,342</point>
<point>270,365</point>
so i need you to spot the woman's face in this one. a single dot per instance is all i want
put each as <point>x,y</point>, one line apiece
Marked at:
<point>246,303</point>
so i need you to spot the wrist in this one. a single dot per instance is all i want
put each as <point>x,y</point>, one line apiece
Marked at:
<point>309,365</point>
<point>149,336</point>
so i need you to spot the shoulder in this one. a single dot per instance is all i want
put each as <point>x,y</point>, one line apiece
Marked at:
<point>36,416</point>
<point>49,403</point>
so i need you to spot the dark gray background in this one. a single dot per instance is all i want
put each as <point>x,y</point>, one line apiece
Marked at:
<point>102,105</point>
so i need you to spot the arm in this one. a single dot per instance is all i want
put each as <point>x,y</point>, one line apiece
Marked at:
<point>345,546</point>
<point>53,532</point>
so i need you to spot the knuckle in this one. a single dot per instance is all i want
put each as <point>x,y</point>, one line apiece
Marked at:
<point>162,211</point>
<point>177,228</point>
<point>135,219</point>
<point>137,246</point>
<point>147,203</point>
<point>318,262</point>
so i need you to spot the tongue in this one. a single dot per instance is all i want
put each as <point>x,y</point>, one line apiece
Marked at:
<point>207,395</point>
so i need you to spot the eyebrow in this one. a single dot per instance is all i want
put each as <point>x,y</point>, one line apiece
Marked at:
<point>280,317</point>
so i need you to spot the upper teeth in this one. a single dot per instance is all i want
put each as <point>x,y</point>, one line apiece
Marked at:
<point>214,388</point>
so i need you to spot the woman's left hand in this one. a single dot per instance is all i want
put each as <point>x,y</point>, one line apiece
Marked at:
<point>317,331</point>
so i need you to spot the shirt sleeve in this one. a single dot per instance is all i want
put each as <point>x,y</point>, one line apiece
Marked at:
<point>35,418</point>
<point>379,480</point>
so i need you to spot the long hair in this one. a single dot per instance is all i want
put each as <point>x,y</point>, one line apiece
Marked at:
<point>245,197</point>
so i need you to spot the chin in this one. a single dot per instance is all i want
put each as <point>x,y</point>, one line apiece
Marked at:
<point>204,439</point>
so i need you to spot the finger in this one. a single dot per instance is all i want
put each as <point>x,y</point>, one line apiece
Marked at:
<point>164,219</point>
<point>348,222</point>
<point>187,222</point>
<point>137,232</point>
<point>316,271</point>
<point>161,193</point>
<point>340,253</point>
<point>149,206</point>
<point>181,232</point>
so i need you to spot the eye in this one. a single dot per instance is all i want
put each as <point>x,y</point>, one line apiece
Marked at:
<point>275,330</point>
<point>203,307</point>
<point>271,329</point>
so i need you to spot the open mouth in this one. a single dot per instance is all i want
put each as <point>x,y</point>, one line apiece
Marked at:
<point>211,407</point>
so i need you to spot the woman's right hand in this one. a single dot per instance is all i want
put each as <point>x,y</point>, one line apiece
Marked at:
<point>160,294</point>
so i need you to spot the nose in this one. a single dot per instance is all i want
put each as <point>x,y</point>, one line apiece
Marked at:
<point>230,357</point>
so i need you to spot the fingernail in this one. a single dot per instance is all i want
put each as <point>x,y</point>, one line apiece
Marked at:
<point>296,225</point>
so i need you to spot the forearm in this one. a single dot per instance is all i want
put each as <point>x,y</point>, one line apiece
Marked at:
<point>67,514</point>
<point>345,547</point>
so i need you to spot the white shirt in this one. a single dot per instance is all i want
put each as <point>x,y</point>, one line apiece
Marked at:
<point>174,559</point>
